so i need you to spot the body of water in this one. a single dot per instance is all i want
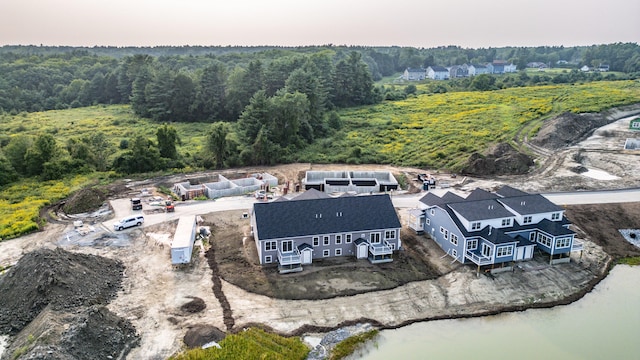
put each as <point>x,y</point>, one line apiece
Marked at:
<point>605,324</point>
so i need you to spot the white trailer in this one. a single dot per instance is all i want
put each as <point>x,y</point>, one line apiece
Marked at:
<point>183,239</point>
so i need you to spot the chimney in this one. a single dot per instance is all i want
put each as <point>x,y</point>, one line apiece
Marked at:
<point>489,229</point>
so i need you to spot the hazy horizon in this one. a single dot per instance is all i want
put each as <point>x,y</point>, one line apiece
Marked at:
<point>288,23</point>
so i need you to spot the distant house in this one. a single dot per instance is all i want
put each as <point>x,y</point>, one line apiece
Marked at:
<point>494,230</point>
<point>314,226</point>
<point>585,68</point>
<point>603,67</point>
<point>437,73</point>
<point>536,65</point>
<point>414,74</point>
<point>501,67</point>
<point>477,69</point>
<point>458,71</point>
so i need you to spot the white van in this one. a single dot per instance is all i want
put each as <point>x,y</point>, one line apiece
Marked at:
<point>128,222</point>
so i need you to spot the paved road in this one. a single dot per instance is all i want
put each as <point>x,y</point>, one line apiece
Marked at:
<point>122,207</point>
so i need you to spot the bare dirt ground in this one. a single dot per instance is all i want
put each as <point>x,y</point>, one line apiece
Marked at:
<point>234,292</point>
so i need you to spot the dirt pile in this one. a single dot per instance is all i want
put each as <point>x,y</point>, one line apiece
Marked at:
<point>568,129</point>
<point>85,200</point>
<point>502,159</point>
<point>91,333</point>
<point>58,278</point>
<point>199,335</point>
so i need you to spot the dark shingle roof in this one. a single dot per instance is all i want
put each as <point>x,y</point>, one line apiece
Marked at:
<point>480,194</point>
<point>323,216</point>
<point>530,204</point>
<point>431,199</point>
<point>481,210</point>
<point>507,191</point>
<point>311,194</point>
<point>437,68</point>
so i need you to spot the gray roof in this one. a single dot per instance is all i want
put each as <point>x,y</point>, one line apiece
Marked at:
<point>287,219</point>
<point>480,194</point>
<point>481,210</point>
<point>530,204</point>
<point>507,191</point>
<point>437,68</point>
<point>431,199</point>
<point>311,194</point>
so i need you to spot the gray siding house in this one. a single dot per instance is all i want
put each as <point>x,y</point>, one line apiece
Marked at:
<point>313,226</point>
<point>493,230</point>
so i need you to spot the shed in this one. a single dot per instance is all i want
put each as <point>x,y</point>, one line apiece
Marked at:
<point>183,239</point>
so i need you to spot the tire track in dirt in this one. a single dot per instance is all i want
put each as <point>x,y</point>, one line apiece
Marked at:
<point>227,313</point>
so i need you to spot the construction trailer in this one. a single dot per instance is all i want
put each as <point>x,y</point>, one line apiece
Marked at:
<point>183,239</point>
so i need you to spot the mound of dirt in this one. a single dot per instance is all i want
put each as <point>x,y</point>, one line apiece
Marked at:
<point>194,306</point>
<point>85,200</point>
<point>199,335</point>
<point>55,278</point>
<point>568,129</point>
<point>92,333</point>
<point>502,159</point>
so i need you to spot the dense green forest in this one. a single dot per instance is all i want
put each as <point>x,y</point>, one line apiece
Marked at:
<point>264,104</point>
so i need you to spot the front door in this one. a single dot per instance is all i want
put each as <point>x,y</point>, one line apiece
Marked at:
<point>520,253</point>
<point>362,251</point>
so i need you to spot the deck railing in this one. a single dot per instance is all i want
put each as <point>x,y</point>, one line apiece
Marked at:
<point>577,245</point>
<point>380,249</point>
<point>478,259</point>
<point>289,257</point>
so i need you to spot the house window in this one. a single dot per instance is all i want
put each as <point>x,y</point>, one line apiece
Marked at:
<point>428,221</point>
<point>506,222</point>
<point>270,245</point>
<point>555,216</point>
<point>527,220</point>
<point>347,238</point>
<point>316,241</point>
<point>338,239</point>
<point>433,212</point>
<point>441,230</point>
<point>338,252</point>
<point>374,238</point>
<point>532,236</point>
<point>563,243</point>
<point>486,250</point>
<point>544,240</point>
<point>392,246</point>
<point>454,253</point>
<point>472,244</point>
<point>475,225</point>
<point>325,241</point>
<point>267,259</point>
<point>504,251</point>
<point>326,253</point>
<point>389,234</point>
<point>454,239</point>
<point>446,234</point>
<point>287,246</point>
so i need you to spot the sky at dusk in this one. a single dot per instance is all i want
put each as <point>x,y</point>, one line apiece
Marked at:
<point>422,24</point>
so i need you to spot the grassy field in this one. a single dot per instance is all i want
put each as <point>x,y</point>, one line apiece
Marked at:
<point>441,130</point>
<point>437,131</point>
<point>251,344</point>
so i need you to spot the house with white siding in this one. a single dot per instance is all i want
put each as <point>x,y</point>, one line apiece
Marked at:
<point>414,74</point>
<point>437,72</point>
<point>495,230</point>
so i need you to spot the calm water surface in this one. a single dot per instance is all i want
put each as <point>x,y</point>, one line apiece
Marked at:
<point>605,324</point>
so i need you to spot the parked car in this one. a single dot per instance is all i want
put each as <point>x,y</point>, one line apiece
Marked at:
<point>128,222</point>
<point>136,204</point>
